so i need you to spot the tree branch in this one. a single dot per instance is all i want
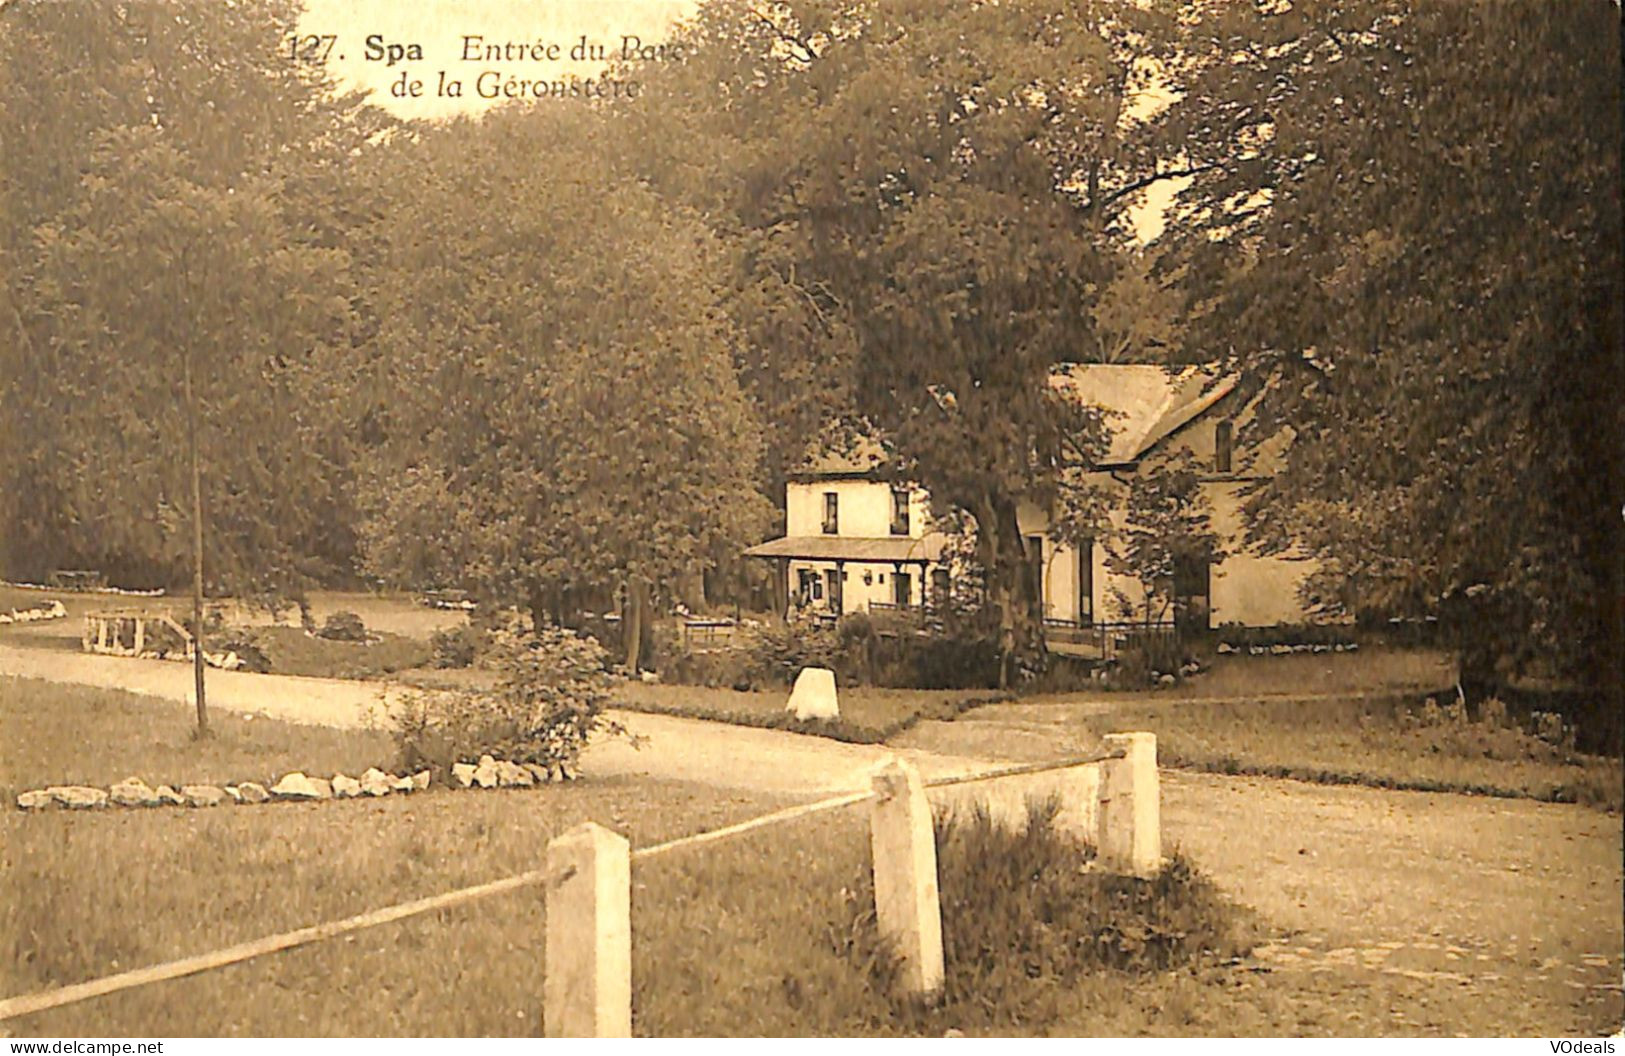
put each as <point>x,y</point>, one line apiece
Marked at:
<point>809,53</point>
<point>1147,181</point>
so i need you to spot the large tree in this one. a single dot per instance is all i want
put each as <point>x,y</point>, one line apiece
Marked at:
<point>173,192</point>
<point>1411,215</point>
<point>950,184</point>
<point>562,413</point>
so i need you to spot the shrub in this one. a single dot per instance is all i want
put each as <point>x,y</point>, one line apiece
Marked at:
<point>1019,916</point>
<point>957,659</point>
<point>343,627</point>
<point>550,698</point>
<point>1243,637</point>
<point>730,668</point>
<point>1448,731</point>
<point>455,646</point>
<point>246,647</point>
<point>1145,658</point>
<point>780,652</point>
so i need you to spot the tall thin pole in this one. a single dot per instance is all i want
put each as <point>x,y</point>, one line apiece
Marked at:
<point>197,546</point>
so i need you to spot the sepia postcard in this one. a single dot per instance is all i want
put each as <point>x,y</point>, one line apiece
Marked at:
<point>948,519</point>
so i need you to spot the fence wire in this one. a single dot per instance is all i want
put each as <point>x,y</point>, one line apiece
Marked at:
<point>44,1000</point>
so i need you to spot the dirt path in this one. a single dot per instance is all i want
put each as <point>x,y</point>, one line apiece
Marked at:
<point>676,749</point>
<point>1416,912</point>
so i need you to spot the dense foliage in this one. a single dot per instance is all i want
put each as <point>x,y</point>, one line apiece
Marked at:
<point>556,414</point>
<point>568,352</point>
<point>1413,215</point>
<point>188,214</point>
<point>550,698</point>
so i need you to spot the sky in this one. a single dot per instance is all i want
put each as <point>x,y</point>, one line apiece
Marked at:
<point>438,29</point>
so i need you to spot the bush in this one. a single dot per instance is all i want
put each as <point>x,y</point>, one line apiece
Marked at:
<point>343,627</point>
<point>730,668</point>
<point>954,660</point>
<point>246,647</point>
<point>1145,658</point>
<point>780,652</point>
<point>1449,731</point>
<point>455,646</point>
<point>1243,637</point>
<point>1019,916</point>
<point>549,700</point>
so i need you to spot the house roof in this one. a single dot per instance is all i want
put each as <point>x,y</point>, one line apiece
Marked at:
<point>1146,403</point>
<point>858,455</point>
<point>852,548</point>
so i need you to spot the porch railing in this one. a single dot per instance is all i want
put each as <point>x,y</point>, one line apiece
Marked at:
<point>1105,638</point>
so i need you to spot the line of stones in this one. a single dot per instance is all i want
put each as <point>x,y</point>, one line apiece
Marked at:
<point>133,792</point>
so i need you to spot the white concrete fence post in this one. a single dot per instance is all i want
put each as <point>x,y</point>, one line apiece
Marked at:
<point>587,990</point>
<point>908,908</point>
<point>1130,814</point>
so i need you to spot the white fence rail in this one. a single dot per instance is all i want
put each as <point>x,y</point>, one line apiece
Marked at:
<point>587,988</point>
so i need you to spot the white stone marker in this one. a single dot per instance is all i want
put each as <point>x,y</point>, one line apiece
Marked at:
<point>587,992</point>
<point>1130,817</point>
<point>813,696</point>
<point>907,906</point>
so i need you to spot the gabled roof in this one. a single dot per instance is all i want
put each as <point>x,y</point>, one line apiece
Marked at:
<point>1145,404</point>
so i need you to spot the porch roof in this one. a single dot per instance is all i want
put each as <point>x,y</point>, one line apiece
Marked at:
<point>853,548</point>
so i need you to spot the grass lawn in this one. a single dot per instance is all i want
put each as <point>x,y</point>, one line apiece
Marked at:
<point>54,734</point>
<point>1374,669</point>
<point>1334,742</point>
<point>868,715</point>
<point>753,936</point>
<point>293,652</point>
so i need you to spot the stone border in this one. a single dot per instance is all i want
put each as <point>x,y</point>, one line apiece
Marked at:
<point>292,786</point>
<point>156,592</point>
<point>1226,649</point>
<point>53,610</point>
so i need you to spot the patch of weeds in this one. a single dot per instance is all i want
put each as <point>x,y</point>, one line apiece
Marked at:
<point>1024,915</point>
<point>343,627</point>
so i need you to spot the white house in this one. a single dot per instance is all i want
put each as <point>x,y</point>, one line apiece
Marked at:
<point>853,541</point>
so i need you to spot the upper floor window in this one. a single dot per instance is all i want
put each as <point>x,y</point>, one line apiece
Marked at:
<point>1224,444</point>
<point>899,511</point>
<point>832,513</point>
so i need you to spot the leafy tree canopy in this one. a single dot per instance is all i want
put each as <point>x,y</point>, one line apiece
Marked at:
<point>1411,215</point>
<point>562,408</point>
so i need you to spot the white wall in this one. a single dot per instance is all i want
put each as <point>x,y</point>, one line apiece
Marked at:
<point>865,509</point>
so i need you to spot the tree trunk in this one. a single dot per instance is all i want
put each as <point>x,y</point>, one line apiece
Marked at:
<point>632,623</point>
<point>541,606</point>
<point>1009,591</point>
<point>197,546</point>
